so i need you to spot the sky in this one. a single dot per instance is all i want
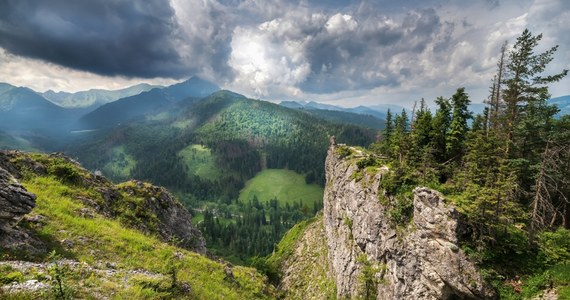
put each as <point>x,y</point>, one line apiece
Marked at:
<point>345,53</point>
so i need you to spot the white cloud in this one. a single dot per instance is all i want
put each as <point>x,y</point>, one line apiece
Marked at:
<point>41,76</point>
<point>339,24</point>
<point>263,67</point>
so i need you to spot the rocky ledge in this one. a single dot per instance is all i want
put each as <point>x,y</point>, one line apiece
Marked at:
<point>15,201</point>
<point>371,255</point>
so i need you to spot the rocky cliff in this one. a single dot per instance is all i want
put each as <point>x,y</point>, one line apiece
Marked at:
<point>374,257</point>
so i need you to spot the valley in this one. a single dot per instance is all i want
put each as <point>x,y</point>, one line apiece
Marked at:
<point>227,158</point>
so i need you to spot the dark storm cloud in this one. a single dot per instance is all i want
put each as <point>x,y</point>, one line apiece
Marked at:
<point>120,37</point>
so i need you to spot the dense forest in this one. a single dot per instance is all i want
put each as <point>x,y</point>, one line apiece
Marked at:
<point>251,229</point>
<point>508,169</point>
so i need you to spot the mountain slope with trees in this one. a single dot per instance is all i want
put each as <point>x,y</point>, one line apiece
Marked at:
<point>237,137</point>
<point>508,171</point>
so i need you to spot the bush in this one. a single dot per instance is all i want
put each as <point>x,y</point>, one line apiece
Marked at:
<point>65,172</point>
<point>554,246</point>
<point>343,151</point>
<point>367,162</point>
<point>10,277</point>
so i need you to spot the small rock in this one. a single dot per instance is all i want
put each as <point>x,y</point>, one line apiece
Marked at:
<point>67,243</point>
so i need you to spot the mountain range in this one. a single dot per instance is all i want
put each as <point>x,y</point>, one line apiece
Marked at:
<point>146,102</point>
<point>94,98</point>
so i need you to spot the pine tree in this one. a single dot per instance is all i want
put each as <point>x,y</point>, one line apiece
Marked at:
<point>494,102</point>
<point>458,128</point>
<point>399,142</point>
<point>526,89</point>
<point>440,128</point>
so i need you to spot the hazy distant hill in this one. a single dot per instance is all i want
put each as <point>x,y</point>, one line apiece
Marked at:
<point>95,97</point>
<point>130,108</point>
<point>23,109</point>
<point>377,111</point>
<point>563,104</point>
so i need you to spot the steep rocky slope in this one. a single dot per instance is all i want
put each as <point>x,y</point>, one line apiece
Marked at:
<point>372,255</point>
<point>302,260</point>
<point>66,233</point>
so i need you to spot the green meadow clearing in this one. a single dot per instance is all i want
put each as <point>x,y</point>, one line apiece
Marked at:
<point>285,185</point>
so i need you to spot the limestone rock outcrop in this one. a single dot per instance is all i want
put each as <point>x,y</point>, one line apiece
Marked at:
<point>174,221</point>
<point>15,201</point>
<point>418,260</point>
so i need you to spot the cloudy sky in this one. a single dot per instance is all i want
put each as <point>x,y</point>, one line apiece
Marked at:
<point>341,52</point>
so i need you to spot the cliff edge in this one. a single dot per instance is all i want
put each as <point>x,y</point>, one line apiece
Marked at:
<point>373,257</point>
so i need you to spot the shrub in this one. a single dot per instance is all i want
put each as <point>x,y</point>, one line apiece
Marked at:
<point>10,277</point>
<point>554,246</point>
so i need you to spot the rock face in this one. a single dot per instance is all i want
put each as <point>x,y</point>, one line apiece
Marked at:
<point>15,201</point>
<point>420,260</point>
<point>174,221</point>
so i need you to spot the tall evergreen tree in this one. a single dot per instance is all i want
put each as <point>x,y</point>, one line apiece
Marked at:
<point>399,142</point>
<point>526,89</point>
<point>455,144</point>
<point>440,127</point>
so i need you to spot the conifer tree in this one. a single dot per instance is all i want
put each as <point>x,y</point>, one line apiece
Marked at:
<point>399,142</point>
<point>526,89</point>
<point>458,128</point>
<point>440,127</point>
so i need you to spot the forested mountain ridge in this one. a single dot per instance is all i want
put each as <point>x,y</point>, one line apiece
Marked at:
<point>23,109</point>
<point>244,135</point>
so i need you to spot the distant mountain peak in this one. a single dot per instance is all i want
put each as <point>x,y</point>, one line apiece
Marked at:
<point>192,87</point>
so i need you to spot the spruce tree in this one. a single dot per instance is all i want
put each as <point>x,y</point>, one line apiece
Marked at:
<point>455,144</point>
<point>526,90</point>
<point>440,127</point>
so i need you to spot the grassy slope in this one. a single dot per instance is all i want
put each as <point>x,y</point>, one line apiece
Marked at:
<point>286,185</point>
<point>301,258</point>
<point>97,240</point>
<point>200,161</point>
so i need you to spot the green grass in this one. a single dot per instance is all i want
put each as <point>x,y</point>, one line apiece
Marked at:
<point>285,185</point>
<point>557,276</point>
<point>121,163</point>
<point>286,246</point>
<point>97,240</point>
<point>200,161</point>
<point>130,249</point>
